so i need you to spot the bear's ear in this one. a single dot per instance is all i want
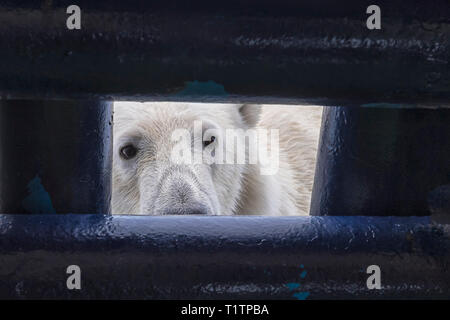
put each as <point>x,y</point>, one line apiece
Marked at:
<point>250,113</point>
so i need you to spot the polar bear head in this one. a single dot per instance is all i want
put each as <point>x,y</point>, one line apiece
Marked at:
<point>154,167</point>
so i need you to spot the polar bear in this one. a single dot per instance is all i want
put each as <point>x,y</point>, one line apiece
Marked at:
<point>148,181</point>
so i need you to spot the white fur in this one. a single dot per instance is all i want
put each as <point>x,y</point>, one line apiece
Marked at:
<point>150,184</point>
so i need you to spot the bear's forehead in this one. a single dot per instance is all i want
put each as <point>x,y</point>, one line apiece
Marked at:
<point>160,119</point>
<point>171,118</point>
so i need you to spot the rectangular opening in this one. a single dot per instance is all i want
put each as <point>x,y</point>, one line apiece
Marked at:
<point>214,159</point>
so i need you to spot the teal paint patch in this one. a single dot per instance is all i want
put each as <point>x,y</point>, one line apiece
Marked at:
<point>388,105</point>
<point>294,286</point>
<point>301,295</point>
<point>208,88</point>
<point>38,200</point>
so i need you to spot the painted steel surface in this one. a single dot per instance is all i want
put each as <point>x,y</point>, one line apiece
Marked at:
<point>281,51</point>
<point>175,257</point>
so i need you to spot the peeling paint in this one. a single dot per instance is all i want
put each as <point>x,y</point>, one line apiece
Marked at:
<point>209,88</point>
<point>38,200</point>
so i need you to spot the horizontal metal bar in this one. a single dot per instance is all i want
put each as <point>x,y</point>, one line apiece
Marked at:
<point>222,257</point>
<point>248,51</point>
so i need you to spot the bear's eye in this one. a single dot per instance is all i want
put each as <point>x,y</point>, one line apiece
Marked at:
<point>208,142</point>
<point>128,152</point>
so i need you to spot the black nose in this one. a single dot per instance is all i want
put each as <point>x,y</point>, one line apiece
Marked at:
<point>199,210</point>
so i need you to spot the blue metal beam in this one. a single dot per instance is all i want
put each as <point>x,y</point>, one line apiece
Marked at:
<point>223,257</point>
<point>252,50</point>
